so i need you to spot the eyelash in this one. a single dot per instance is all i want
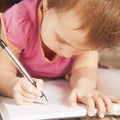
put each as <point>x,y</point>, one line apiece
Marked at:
<point>61,41</point>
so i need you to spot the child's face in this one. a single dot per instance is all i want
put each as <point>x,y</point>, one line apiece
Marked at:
<point>60,33</point>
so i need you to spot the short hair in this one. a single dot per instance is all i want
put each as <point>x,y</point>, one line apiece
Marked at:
<point>102,17</point>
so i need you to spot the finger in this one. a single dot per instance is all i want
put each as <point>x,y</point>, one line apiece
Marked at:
<point>17,87</point>
<point>72,98</point>
<point>27,94</point>
<point>28,87</point>
<point>21,100</point>
<point>27,100</point>
<point>18,90</point>
<point>39,84</point>
<point>100,106</point>
<point>107,102</point>
<point>90,105</point>
<point>115,99</point>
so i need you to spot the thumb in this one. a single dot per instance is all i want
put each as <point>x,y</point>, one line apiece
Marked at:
<point>39,83</point>
<point>72,99</point>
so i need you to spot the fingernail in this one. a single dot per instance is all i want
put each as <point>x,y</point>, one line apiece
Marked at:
<point>90,114</point>
<point>110,109</point>
<point>101,115</point>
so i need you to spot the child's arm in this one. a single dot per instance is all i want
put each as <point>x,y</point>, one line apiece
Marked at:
<point>85,66</point>
<point>7,71</point>
<point>11,85</point>
<point>84,81</point>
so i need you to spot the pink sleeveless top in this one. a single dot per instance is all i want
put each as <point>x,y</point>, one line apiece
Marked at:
<point>22,28</point>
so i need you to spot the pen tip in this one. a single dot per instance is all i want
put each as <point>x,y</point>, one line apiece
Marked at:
<point>43,95</point>
<point>40,100</point>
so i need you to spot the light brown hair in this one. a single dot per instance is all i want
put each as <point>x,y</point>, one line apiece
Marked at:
<point>102,17</point>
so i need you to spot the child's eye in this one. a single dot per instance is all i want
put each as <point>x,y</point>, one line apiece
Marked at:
<point>62,41</point>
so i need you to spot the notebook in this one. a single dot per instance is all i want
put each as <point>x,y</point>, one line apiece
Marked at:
<point>57,92</point>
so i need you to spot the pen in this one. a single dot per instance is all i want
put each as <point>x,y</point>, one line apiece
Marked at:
<point>19,66</point>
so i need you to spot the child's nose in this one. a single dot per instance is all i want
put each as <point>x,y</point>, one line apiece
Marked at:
<point>67,54</point>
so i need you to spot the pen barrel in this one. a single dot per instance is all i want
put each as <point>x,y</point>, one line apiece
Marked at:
<point>19,65</point>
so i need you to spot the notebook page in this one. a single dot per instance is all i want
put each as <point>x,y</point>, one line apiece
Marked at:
<point>57,107</point>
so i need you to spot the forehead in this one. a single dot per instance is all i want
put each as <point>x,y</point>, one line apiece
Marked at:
<point>70,18</point>
<point>65,28</point>
<point>70,26</point>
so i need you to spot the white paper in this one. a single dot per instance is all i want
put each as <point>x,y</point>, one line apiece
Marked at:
<point>57,107</point>
<point>57,92</point>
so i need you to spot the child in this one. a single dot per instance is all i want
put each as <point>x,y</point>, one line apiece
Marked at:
<point>53,38</point>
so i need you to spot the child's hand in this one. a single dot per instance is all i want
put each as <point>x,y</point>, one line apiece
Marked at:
<point>92,98</point>
<point>24,92</point>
